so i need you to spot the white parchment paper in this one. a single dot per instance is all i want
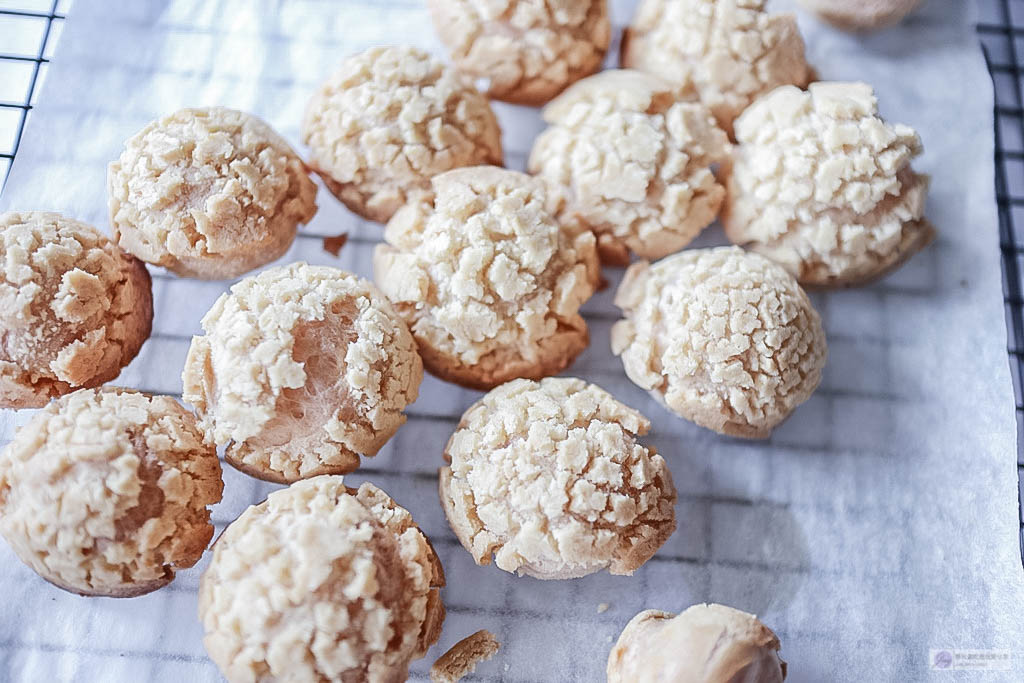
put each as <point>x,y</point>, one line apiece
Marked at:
<point>878,522</point>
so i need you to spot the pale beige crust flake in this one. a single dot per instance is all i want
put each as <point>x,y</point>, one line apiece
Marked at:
<point>631,157</point>
<point>722,337</point>
<point>528,50</point>
<point>209,193</point>
<point>822,185</point>
<point>863,14</point>
<point>321,582</point>
<point>548,477</point>
<point>704,644</point>
<point>462,658</point>
<point>732,50</point>
<point>489,282</point>
<point>105,492</point>
<point>74,308</point>
<point>302,369</point>
<point>389,120</point>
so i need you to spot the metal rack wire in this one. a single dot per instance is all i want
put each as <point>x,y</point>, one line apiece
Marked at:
<point>1000,29</point>
<point>31,66</point>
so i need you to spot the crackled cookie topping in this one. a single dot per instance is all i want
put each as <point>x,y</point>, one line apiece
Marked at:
<point>731,50</point>
<point>631,156</point>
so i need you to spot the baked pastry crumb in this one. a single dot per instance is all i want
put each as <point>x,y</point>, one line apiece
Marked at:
<point>105,492</point>
<point>333,245</point>
<point>462,658</point>
<point>74,308</point>
<point>548,477</point>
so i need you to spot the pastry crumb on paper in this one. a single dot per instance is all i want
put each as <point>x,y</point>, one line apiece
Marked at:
<point>333,245</point>
<point>462,658</point>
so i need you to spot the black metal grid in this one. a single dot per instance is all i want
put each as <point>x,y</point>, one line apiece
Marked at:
<point>1001,31</point>
<point>35,63</point>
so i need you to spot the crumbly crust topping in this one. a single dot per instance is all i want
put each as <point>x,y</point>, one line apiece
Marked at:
<point>209,193</point>
<point>389,120</point>
<point>301,369</point>
<point>105,491</point>
<point>631,156</point>
<point>732,50</point>
<point>549,479</point>
<point>74,308</point>
<point>823,185</point>
<point>321,582</point>
<point>483,273</point>
<point>528,49</point>
<point>722,337</point>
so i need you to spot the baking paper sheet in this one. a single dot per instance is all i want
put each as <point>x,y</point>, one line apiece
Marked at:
<point>878,523</point>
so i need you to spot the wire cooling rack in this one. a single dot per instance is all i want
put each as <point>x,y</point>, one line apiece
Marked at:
<point>29,30</point>
<point>1001,30</point>
<point>28,33</point>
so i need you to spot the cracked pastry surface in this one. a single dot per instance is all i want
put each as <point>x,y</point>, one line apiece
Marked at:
<point>821,184</point>
<point>389,120</point>
<point>105,492</point>
<point>864,15</point>
<point>208,193</point>
<point>724,338</point>
<point>548,477</point>
<point>529,50</point>
<point>489,282</point>
<point>302,369</point>
<point>631,156</point>
<point>732,50</point>
<point>321,582</point>
<point>74,309</point>
<point>703,644</point>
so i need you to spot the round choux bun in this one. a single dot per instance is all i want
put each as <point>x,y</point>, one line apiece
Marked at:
<point>706,643</point>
